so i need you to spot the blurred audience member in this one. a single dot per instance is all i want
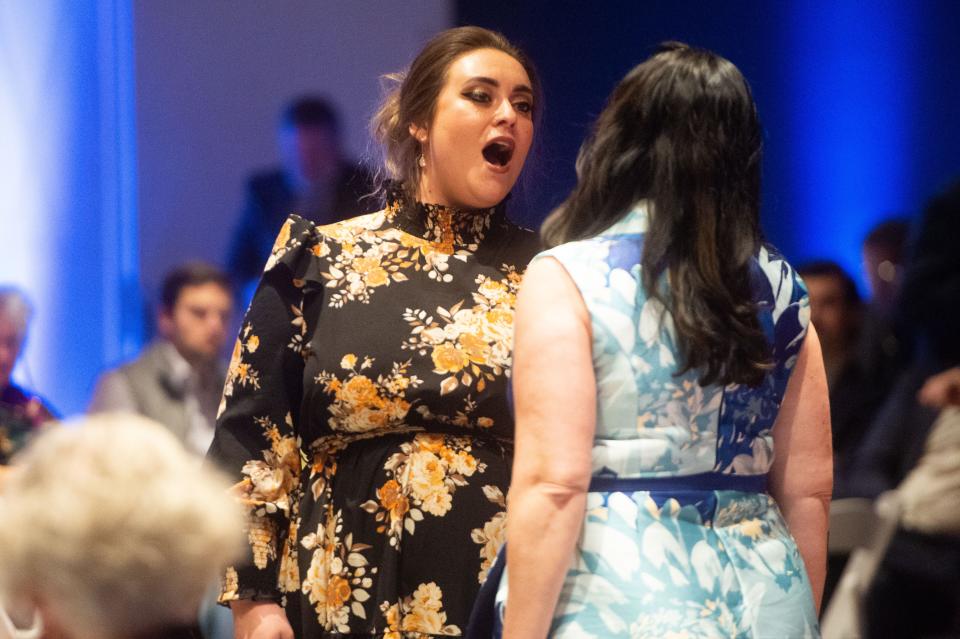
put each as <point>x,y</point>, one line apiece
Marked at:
<point>884,259</point>
<point>315,181</point>
<point>941,390</point>
<point>111,530</point>
<point>837,312</point>
<point>916,589</point>
<point>178,379</point>
<point>930,302</point>
<point>20,410</point>
<point>885,345</point>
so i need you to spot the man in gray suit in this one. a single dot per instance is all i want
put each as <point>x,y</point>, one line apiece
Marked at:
<point>178,379</point>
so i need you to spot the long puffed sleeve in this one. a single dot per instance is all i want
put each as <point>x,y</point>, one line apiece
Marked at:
<point>257,434</point>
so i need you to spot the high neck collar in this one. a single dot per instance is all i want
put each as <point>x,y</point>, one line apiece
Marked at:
<point>450,229</point>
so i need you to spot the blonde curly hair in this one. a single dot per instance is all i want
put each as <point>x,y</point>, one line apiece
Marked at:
<point>114,527</point>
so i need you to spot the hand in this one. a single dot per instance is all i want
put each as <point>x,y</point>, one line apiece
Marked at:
<point>942,389</point>
<point>259,620</point>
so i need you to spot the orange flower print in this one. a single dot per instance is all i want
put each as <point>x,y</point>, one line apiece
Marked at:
<point>240,373</point>
<point>448,359</point>
<point>362,404</point>
<point>470,345</point>
<point>475,348</point>
<point>464,418</point>
<point>370,270</point>
<point>338,591</point>
<point>370,258</point>
<point>425,475</point>
<point>359,391</point>
<point>393,500</point>
<point>229,586</point>
<point>282,244</point>
<point>418,615</point>
<point>493,534</point>
<point>269,486</point>
<point>432,442</point>
<point>338,580</point>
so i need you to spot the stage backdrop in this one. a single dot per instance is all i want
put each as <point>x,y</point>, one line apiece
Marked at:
<point>127,126</point>
<point>126,129</point>
<point>858,100</point>
<point>67,187</point>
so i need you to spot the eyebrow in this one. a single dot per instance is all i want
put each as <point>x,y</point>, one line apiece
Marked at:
<point>522,88</point>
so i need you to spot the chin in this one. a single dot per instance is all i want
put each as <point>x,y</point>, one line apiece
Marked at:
<point>489,196</point>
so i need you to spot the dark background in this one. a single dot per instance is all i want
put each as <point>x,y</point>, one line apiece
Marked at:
<point>858,100</point>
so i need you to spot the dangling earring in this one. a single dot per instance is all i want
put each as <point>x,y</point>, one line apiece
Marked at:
<point>422,161</point>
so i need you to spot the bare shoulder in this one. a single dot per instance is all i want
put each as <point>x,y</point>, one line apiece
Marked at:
<point>549,290</point>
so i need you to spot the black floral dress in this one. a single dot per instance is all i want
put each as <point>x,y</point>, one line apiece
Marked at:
<point>365,417</point>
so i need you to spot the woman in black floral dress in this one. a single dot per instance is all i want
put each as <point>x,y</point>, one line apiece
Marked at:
<point>365,413</point>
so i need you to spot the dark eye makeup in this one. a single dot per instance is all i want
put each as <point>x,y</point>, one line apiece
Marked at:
<point>522,104</point>
<point>477,95</point>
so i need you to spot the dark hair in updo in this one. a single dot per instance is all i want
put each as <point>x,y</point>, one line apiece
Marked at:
<point>413,98</point>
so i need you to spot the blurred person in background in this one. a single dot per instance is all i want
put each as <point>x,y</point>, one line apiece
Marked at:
<point>837,311</point>
<point>21,411</point>
<point>177,380</point>
<point>915,592</point>
<point>885,251</point>
<point>864,350</point>
<point>885,344</point>
<point>315,181</point>
<point>111,530</point>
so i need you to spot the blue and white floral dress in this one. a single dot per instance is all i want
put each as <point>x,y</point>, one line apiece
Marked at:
<point>680,538</point>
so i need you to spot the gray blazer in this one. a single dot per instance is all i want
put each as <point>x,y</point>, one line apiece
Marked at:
<point>156,385</point>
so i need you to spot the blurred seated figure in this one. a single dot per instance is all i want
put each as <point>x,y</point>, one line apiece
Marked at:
<point>885,252</point>
<point>111,530</point>
<point>930,494</point>
<point>20,410</point>
<point>178,379</point>
<point>930,304</point>
<point>315,181</point>
<point>837,312</point>
<point>915,592</point>
<point>885,344</point>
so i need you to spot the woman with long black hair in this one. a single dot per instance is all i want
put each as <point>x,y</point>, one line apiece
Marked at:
<point>673,468</point>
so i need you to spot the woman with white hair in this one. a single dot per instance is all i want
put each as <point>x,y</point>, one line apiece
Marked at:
<point>113,531</point>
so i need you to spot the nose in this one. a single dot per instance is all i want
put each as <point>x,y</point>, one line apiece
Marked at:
<point>218,322</point>
<point>506,113</point>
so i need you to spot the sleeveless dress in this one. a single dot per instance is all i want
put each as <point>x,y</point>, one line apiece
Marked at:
<point>680,538</point>
<point>365,419</point>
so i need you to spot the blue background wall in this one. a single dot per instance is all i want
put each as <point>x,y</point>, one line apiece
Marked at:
<point>68,222</point>
<point>127,128</point>
<point>858,100</point>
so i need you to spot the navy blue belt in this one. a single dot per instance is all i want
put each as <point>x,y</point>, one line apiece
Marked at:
<point>702,481</point>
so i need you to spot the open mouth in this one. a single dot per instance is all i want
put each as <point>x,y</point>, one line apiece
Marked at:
<point>498,153</point>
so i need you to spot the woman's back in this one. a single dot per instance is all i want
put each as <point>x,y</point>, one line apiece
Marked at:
<point>679,532</point>
<point>666,423</point>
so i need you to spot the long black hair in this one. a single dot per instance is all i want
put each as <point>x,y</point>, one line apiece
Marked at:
<point>681,131</point>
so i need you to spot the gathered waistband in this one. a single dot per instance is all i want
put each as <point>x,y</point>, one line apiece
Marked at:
<point>701,481</point>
